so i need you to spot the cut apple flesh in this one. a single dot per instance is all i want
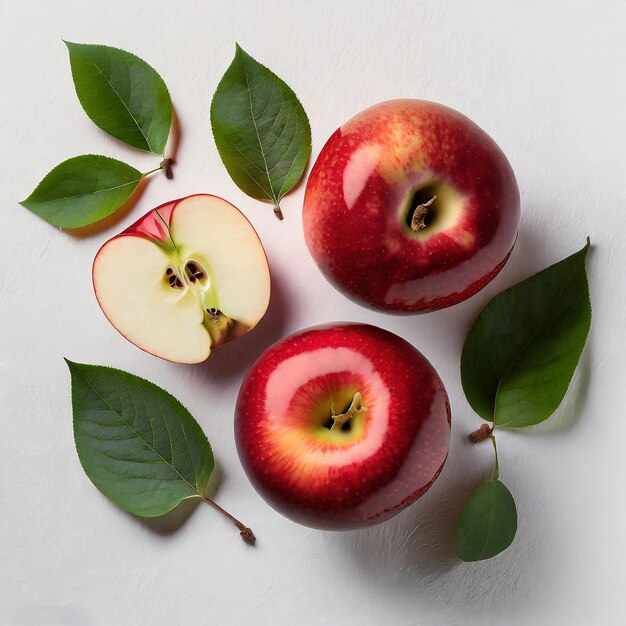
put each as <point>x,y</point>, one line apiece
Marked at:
<point>187,277</point>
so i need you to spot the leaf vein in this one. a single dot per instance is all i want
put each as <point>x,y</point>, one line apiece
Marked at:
<point>122,101</point>
<point>121,417</point>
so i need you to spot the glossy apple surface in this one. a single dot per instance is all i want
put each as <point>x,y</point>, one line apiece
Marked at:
<point>410,207</point>
<point>342,426</point>
<point>187,277</point>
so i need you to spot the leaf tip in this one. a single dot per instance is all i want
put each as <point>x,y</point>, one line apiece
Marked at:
<point>72,365</point>
<point>240,53</point>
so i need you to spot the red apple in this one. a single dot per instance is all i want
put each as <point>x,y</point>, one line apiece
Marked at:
<point>184,279</point>
<point>342,426</point>
<point>410,207</point>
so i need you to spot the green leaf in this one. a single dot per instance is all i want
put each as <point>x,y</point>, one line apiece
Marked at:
<point>261,130</point>
<point>83,190</point>
<point>122,95</point>
<point>137,444</point>
<point>520,355</point>
<point>488,523</point>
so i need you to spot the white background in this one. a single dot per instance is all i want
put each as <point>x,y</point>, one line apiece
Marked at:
<point>547,81</point>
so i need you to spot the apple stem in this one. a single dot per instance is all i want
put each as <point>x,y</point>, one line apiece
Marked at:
<point>356,407</point>
<point>484,432</point>
<point>245,532</point>
<point>419,215</point>
<point>277,212</point>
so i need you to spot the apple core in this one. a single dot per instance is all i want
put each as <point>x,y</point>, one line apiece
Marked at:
<point>191,275</point>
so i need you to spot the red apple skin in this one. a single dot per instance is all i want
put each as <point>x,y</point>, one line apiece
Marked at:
<point>366,476</point>
<point>353,221</point>
<point>151,226</point>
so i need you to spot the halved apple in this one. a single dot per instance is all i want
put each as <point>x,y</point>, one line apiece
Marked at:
<point>184,279</point>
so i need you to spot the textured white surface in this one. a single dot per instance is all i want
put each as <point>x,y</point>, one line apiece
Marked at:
<point>546,80</point>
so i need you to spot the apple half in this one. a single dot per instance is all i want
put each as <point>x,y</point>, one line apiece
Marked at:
<point>187,277</point>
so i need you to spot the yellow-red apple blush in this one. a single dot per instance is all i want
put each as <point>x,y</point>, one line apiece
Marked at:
<point>410,207</point>
<point>342,426</point>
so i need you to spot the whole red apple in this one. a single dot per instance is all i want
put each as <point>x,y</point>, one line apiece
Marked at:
<point>342,426</point>
<point>410,207</point>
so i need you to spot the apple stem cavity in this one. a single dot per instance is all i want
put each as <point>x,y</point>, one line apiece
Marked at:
<point>482,433</point>
<point>418,220</point>
<point>356,408</point>
<point>278,213</point>
<point>245,532</point>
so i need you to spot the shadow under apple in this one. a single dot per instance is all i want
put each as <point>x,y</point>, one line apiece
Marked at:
<point>420,540</point>
<point>413,555</point>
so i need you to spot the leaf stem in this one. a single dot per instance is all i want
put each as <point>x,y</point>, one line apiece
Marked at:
<point>156,169</point>
<point>245,532</point>
<point>496,469</point>
<point>277,212</point>
<point>165,165</point>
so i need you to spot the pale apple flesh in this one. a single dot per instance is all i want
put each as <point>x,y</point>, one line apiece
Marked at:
<point>184,279</point>
<point>342,426</point>
<point>410,207</point>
